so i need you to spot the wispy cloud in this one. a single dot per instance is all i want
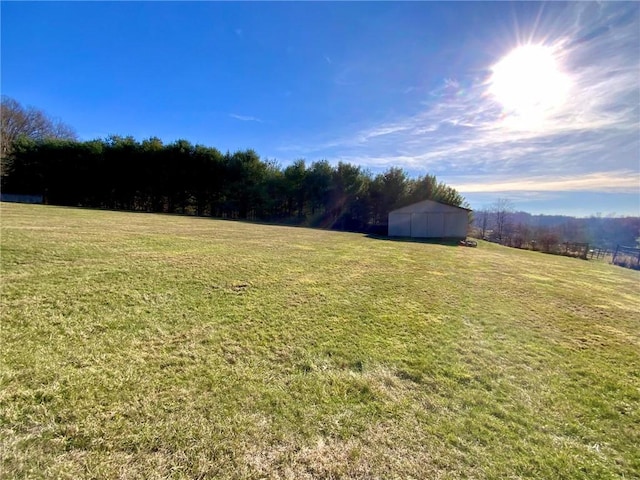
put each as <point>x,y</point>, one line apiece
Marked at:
<point>623,181</point>
<point>349,75</point>
<point>245,118</point>
<point>462,130</point>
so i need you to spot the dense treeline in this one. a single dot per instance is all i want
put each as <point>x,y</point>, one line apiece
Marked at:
<point>122,173</point>
<point>550,232</point>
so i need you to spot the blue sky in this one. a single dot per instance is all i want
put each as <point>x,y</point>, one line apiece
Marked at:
<point>376,84</point>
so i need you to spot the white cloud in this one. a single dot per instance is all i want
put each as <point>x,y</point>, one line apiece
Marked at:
<point>462,130</point>
<point>245,118</point>
<point>619,181</point>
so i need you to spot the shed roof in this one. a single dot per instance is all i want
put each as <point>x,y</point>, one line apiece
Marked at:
<point>426,206</point>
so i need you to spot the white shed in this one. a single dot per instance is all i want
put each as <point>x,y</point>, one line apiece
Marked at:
<point>429,219</point>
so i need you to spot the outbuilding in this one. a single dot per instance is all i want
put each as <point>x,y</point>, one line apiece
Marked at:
<point>429,219</point>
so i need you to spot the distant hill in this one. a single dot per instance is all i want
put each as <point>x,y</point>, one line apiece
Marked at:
<point>599,231</point>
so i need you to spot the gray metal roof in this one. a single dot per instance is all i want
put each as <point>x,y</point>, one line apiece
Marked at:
<point>426,206</point>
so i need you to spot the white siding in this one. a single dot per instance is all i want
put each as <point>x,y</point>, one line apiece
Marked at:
<point>436,225</point>
<point>429,219</point>
<point>400,224</point>
<point>419,224</point>
<point>455,225</point>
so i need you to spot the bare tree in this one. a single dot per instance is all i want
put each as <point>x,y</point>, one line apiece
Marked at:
<point>521,235</point>
<point>483,217</point>
<point>17,121</point>
<point>502,210</point>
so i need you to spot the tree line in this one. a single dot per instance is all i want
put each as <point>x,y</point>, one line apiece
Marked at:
<point>18,121</point>
<point>125,174</point>
<point>500,223</point>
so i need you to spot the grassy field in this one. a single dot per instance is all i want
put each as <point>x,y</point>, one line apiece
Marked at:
<point>154,346</point>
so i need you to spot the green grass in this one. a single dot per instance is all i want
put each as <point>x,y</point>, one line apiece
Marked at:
<point>154,346</point>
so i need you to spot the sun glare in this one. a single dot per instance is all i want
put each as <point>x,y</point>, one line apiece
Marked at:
<point>529,85</point>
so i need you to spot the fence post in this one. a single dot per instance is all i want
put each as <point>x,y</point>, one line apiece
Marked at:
<point>586,251</point>
<point>613,260</point>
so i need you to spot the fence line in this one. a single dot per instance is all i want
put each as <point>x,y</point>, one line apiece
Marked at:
<point>18,198</point>
<point>626,256</point>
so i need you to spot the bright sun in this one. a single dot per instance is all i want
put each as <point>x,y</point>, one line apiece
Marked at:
<point>529,85</point>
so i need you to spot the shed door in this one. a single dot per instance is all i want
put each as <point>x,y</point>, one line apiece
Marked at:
<point>419,225</point>
<point>456,224</point>
<point>436,225</point>
<point>399,225</point>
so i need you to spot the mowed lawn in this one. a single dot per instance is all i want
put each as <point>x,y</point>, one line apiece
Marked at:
<point>155,346</point>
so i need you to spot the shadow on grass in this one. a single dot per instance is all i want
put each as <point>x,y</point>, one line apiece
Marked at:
<point>292,222</point>
<point>449,242</point>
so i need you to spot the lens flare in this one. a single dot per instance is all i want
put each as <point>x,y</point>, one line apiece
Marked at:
<point>529,85</point>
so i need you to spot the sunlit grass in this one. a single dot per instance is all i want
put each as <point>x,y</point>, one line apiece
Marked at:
<point>154,346</point>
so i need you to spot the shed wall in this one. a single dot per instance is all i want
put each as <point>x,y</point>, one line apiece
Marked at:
<point>456,225</point>
<point>419,224</point>
<point>400,224</point>
<point>428,225</point>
